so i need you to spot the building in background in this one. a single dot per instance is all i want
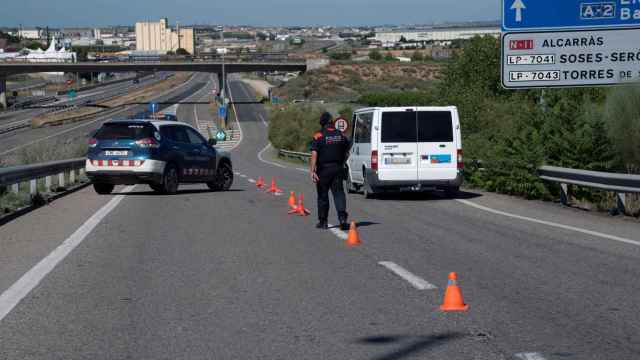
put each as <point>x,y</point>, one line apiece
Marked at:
<point>158,36</point>
<point>437,35</point>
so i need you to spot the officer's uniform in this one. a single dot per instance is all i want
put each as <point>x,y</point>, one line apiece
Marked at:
<point>332,147</point>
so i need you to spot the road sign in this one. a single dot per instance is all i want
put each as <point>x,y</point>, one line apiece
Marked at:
<point>570,58</point>
<point>153,107</point>
<point>72,94</point>
<point>341,124</point>
<point>221,135</point>
<point>222,112</point>
<point>526,15</point>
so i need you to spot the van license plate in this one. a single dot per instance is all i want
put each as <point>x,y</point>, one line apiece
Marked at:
<point>116,153</point>
<point>397,161</point>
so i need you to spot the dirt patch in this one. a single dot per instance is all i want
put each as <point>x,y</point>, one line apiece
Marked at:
<point>141,95</point>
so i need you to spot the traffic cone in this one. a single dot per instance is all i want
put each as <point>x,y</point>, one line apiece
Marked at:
<point>353,239</point>
<point>274,188</point>
<point>292,200</point>
<point>453,296</point>
<point>300,209</point>
<point>260,182</point>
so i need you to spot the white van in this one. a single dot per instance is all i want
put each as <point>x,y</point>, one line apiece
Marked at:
<point>405,148</point>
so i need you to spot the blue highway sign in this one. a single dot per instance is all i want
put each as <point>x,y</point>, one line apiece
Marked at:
<point>222,112</point>
<point>524,15</point>
<point>153,107</point>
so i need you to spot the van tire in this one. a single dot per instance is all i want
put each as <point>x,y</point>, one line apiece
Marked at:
<point>103,189</point>
<point>452,192</point>
<point>367,191</point>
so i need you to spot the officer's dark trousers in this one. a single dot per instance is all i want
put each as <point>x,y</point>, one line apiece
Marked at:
<point>330,176</point>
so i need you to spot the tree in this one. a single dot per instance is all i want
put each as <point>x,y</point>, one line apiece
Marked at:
<point>182,51</point>
<point>340,55</point>
<point>403,39</point>
<point>389,57</point>
<point>375,55</point>
<point>622,116</point>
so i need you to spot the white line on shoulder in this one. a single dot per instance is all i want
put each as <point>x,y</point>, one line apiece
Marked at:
<point>552,224</point>
<point>21,288</point>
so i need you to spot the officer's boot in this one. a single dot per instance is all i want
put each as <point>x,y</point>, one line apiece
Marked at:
<point>344,224</point>
<point>322,224</point>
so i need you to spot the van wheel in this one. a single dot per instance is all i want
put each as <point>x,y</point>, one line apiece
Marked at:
<point>103,189</point>
<point>170,180</point>
<point>367,191</point>
<point>452,192</point>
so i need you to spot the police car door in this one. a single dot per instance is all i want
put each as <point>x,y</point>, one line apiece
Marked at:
<point>398,150</point>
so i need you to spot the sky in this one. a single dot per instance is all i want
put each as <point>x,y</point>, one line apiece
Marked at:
<point>61,13</point>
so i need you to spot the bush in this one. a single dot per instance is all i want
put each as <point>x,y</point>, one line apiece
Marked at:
<point>375,55</point>
<point>340,55</point>
<point>291,129</point>
<point>622,116</point>
<point>43,152</point>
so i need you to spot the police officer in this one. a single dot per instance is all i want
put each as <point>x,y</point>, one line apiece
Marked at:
<point>329,151</point>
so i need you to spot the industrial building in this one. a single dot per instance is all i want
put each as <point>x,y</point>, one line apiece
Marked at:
<point>391,38</point>
<point>158,36</point>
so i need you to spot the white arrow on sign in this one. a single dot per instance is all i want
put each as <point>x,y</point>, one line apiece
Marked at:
<point>518,5</point>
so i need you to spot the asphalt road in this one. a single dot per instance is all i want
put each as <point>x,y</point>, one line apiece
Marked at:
<point>204,275</point>
<point>63,135</point>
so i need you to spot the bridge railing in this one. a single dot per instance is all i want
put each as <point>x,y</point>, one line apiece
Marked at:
<point>56,175</point>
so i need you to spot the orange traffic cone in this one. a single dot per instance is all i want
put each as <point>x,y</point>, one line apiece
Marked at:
<point>353,239</point>
<point>292,200</point>
<point>274,188</point>
<point>453,296</point>
<point>300,209</point>
<point>260,182</point>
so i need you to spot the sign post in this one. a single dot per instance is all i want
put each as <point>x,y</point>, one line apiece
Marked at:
<point>550,43</point>
<point>153,108</point>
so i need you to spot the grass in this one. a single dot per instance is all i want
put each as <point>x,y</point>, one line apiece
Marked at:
<point>44,152</point>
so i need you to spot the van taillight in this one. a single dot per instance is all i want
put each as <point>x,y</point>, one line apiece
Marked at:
<point>460,162</point>
<point>93,142</point>
<point>148,143</point>
<point>374,160</point>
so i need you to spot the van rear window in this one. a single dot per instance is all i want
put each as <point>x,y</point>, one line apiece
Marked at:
<point>398,127</point>
<point>122,131</point>
<point>435,126</point>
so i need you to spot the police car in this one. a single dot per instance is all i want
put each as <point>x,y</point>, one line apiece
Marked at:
<point>161,154</point>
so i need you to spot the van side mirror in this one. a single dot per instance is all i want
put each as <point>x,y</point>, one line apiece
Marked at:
<point>212,142</point>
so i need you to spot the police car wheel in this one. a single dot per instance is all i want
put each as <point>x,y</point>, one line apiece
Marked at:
<point>170,180</point>
<point>224,178</point>
<point>103,189</point>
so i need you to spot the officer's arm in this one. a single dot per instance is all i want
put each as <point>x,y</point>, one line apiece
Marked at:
<point>313,165</point>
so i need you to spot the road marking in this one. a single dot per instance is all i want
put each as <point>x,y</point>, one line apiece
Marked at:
<point>243,176</point>
<point>268,162</point>
<point>21,288</point>
<point>264,122</point>
<point>416,281</point>
<point>552,224</point>
<point>252,181</point>
<point>235,113</point>
<point>337,232</point>
<point>237,173</point>
<point>529,356</point>
<point>303,170</point>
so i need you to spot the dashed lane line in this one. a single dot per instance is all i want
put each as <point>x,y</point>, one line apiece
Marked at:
<point>529,356</point>
<point>551,224</point>
<point>415,281</point>
<point>21,288</point>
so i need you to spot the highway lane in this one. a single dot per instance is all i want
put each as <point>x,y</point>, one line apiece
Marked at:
<point>12,143</point>
<point>229,275</point>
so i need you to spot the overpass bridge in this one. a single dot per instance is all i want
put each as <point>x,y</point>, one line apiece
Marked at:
<point>13,68</point>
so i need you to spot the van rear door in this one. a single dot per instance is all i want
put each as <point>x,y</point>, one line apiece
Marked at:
<point>437,146</point>
<point>398,150</point>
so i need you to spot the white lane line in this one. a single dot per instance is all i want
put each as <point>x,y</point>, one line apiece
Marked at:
<point>243,176</point>
<point>416,281</point>
<point>21,288</point>
<point>303,170</point>
<point>529,356</point>
<point>337,232</point>
<point>552,224</point>
<point>237,173</point>
<point>264,122</point>
<point>268,162</point>
<point>252,181</point>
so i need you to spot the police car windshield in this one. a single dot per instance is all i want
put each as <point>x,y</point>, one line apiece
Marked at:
<point>120,131</point>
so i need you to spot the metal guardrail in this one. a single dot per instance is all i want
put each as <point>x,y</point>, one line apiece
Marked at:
<point>620,184</point>
<point>12,177</point>
<point>294,155</point>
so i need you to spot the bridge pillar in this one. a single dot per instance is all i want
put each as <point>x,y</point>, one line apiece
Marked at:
<point>3,91</point>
